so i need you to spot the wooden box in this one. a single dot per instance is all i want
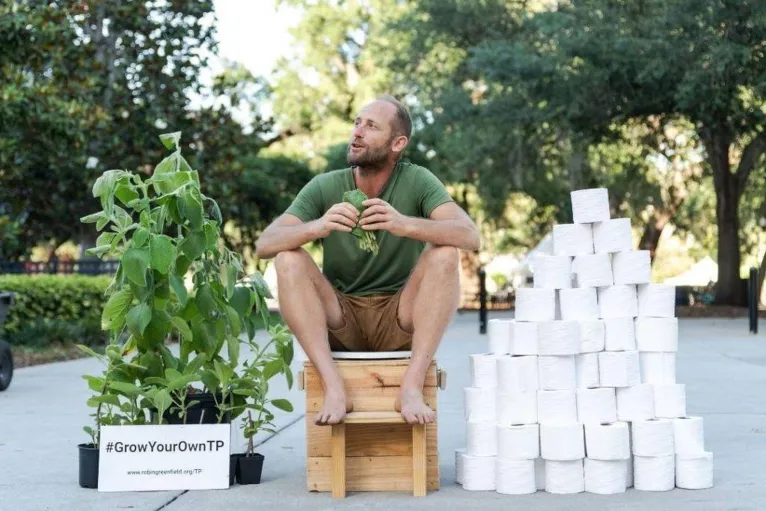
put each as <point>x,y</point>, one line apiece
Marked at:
<point>378,456</point>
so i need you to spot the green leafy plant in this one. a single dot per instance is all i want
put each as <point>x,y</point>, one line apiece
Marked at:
<point>366,239</point>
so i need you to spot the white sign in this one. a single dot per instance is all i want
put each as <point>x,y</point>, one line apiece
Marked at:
<point>146,458</point>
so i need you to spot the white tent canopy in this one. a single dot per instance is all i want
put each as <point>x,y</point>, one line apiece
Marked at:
<point>700,274</point>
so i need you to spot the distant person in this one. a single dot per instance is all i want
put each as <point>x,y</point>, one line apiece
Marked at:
<point>400,299</point>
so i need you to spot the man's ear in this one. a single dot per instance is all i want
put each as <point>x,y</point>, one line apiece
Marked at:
<point>399,144</point>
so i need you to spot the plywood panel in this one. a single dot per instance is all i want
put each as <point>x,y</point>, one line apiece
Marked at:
<point>370,400</point>
<point>360,375</point>
<point>383,473</point>
<point>368,439</point>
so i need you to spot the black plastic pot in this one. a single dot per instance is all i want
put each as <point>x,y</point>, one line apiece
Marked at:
<point>232,468</point>
<point>249,468</point>
<point>194,413</point>
<point>88,466</point>
<point>6,365</point>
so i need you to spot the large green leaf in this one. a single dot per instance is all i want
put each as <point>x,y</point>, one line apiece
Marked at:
<point>242,301</point>
<point>140,237</point>
<point>126,388</point>
<point>193,246</point>
<point>157,329</point>
<point>162,252</point>
<point>191,208</point>
<point>282,404</point>
<point>233,347</point>
<point>183,328</point>
<point>179,288</point>
<point>211,235</point>
<point>125,192</point>
<point>115,310</point>
<point>206,301</point>
<point>234,321</point>
<point>136,261</point>
<point>171,140</point>
<point>139,317</point>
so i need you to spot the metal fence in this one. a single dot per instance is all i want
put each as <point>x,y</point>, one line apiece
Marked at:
<point>94,267</point>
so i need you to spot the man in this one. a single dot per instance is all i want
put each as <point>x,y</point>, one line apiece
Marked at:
<point>400,299</point>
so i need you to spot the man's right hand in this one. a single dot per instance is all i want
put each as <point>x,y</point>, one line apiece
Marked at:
<point>340,217</point>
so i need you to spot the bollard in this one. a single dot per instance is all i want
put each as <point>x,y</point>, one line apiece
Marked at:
<point>482,301</point>
<point>753,300</point>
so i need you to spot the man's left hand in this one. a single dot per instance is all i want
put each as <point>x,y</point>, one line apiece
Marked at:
<point>380,215</point>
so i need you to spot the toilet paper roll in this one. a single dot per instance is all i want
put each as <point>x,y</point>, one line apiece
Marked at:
<point>484,370</point>
<point>479,404</point>
<point>689,436</point>
<point>612,236</point>
<point>653,473</point>
<point>479,473</point>
<point>610,441</point>
<point>499,331</point>
<point>534,304</point>
<point>572,239</point>
<point>656,301</point>
<point>517,374</point>
<point>590,205</point>
<point>635,403</point>
<point>517,408</point>
<point>459,453</point>
<point>552,271</point>
<point>540,473</point>
<point>618,301</point>
<point>632,267</point>
<point>481,438</point>
<point>670,400</point>
<point>515,477</point>
<point>562,441</point>
<point>564,476</point>
<point>605,477</point>
<point>593,270</point>
<point>618,368</point>
<point>694,471</point>
<point>658,368</point>
<point>518,441</point>
<point>629,479</point>
<point>556,406</point>
<point>558,338</point>
<point>592,335</point>
<point>653,437</point>
<point>523,338</point>
<point>596,406</point>
<point>578,304</point>
<point>657,334</point>
<point>586,367</point>
<point>557,372</point>
<point>620,334</point>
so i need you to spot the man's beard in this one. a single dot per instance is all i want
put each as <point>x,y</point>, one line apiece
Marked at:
<point>369,158</point>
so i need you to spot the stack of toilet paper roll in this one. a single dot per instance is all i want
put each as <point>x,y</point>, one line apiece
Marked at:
<point>578,392</point>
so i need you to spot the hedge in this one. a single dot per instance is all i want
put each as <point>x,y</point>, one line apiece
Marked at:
<point>54,308</point>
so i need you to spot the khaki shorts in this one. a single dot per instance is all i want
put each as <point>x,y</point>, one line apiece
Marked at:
<point>371,324</point>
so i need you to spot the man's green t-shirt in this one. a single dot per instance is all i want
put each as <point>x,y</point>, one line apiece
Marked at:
<point>412,190</point>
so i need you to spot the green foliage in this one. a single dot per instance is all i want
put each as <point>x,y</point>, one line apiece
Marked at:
<point>365,239</point>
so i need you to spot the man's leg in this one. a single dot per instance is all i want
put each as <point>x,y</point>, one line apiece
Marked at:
<point>308,305</point>
<point>428,301</point>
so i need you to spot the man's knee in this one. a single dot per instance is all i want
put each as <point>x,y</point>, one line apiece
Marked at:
<point>291,262</point>
<point>443,259</point>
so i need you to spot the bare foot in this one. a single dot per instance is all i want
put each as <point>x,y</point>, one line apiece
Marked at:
<point>334,410</point>
<point>412,407</point>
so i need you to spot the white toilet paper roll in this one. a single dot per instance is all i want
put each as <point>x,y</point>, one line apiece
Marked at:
<point>656,301</point>
<point>653,473</point>
<point>605,477</point>
<point>694,471</point>
<point>517,374</point>
<point>515,477</point>
<point>562,441</point>
<point>596,406</point>
<point>632,267</point>
<point>635,403</point>
<point>629,479</point>
<point>459,453</point>
<point>608,441</point>
<point>658,368</point>
<point>618,368</point>
<point>657,334</point>
<point>479,473</point>
<point>479,404</point>
<point>612,236</point>
<point>586,366</point>
<point>593,335</point>
<point>523,338</point>
<point>518,441</point>
<point>564,476</point>
<point>590,205</point>
<point>481,438</point>
<point>540,473</point>
<point>572,239</point>
<point>534,304</point>
<point>670,400</point>
<point>620,334</point>
<point>618,301</point>
<point>593,270</point>
<point>558,338</point>
<point>689,436</point>
<point>557,372</point>
<point>552,271</point>
<point>499,331</point>
<point>556,406</point>
<point>517,408</point>
<point>578,304</point>
<point>653,437</point>
<point>484,370</point>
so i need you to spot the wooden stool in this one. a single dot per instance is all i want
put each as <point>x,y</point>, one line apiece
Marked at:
<point>374,449</point>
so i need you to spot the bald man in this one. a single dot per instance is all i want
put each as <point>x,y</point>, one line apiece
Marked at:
<point>403,297</point>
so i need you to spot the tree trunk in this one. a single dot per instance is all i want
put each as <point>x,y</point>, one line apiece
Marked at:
<point>469,276</point>
<point>650,239</point>
<point>761,277</point>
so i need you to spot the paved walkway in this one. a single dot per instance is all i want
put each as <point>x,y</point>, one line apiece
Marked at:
<point>42,414</point>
